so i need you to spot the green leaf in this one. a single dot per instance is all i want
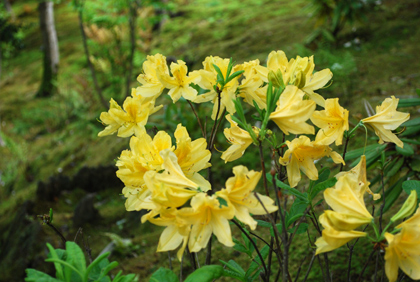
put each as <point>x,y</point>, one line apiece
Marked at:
<point>293,191</point>
<point>395,167</point>
<point>296,211</point>
<point>412,122</point>
<point>300,229</point>
<point>358,152</point>
<point>234,266</point>
<point>58,267</point>
<point>322,186</point>
<point>235,74</point>
<point>410,141</point>
<point>69,270</point>
<point>164,275</point>
<point>257,261</point>
<point>371,155</point>
<point>107,269</point>
<point>222,202</point>
<point>239,246</point>
<point>403,103</point>
<point>126,278</point>
<point>322,176</point>
<point>75,256</point>
<point>98,262</point>
<point>205,274</point>
<point>412,185</point>
<point>219,73</point>
<point>263,223</point>
<point>391,195</point>
<point>412,130</point>
<point>38,276</point>
<point>233,274</point>
<point>51,215</point>
<point>406,151</point>
<point>96,270</point>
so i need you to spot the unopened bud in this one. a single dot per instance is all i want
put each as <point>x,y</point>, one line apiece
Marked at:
<point>408,207</point>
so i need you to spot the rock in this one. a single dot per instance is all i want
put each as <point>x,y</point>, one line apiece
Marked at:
<point>20,246</point>
<point>85,211</point>
<point>48,191</point>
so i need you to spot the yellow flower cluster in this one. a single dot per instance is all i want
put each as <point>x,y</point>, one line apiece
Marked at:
<point>164,179</point>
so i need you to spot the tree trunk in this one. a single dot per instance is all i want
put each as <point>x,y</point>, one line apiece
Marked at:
<point>9,10</point>
<point>50,46</point>
<point>132,23</point>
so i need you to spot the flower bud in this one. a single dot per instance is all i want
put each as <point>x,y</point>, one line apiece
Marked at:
<point>408,207</point>
<point>276,78</point>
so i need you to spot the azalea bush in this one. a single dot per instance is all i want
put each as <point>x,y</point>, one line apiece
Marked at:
<point>275,108</point>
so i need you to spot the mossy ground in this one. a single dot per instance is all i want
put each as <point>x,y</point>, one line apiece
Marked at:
<point>59,135</point>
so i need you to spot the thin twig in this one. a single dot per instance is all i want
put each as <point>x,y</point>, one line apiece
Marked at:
<point>58,232</point>
<point>345,150</point>
<point>180,269</point>
<point>300,267</point>
<point>193,264</point>
<point>198,119</point>
<point>376,266</point>
<point>170,260</point>
<point>77,234</point>
<point>253,243</point>
<point>217,128</point>
<point>309,268</point>
<point>366,264</point>
<point>265,242</point>
<point>297,226</point>
<point>383,202</point>
<point>196,258</point>
<point>208,254</point>
<point>210,145</point>
<point>276,231</point>
<point>263,169</point>
<point>87,247</point>
<point>351,248</point>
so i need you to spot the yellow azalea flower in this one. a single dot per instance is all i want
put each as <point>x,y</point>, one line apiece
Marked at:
<point>332,121</point>
<point>192,156</point>
<point>238,194</point>
<point>403,250</point>
<point>129,120</point>
<point>348,197</point>
<point>151,85</point>
<point>331,237</point>
<point>179,83</point>
<point>301,155</point>
<point>175,233</point>
<point>209,79</point>
<point>144,155</point>
<point>359,171</point>
<point>387,118</point>
<point>299,72</point>
<point>239,138</point>
<point>170,188</point>
<point>250,85</point>
<point>207,216</point>
<point>292,112</point>
<point>138,198</point>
